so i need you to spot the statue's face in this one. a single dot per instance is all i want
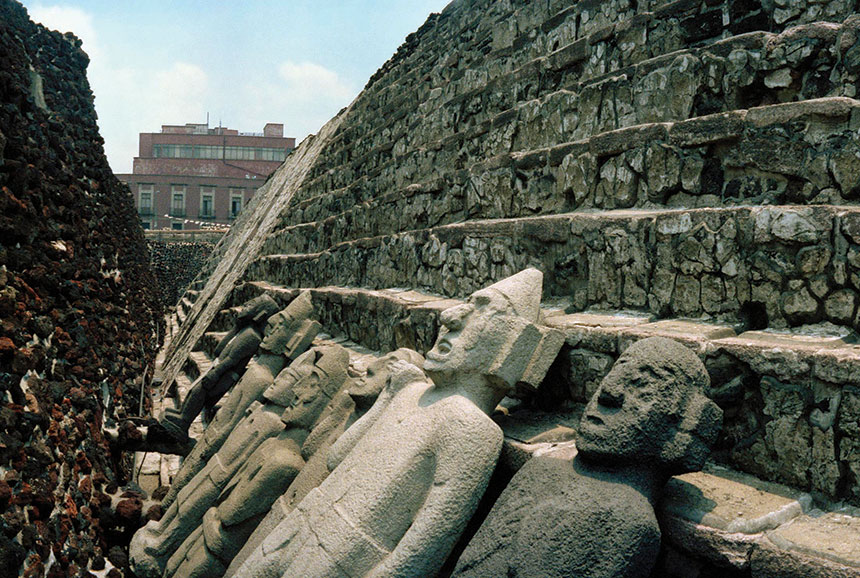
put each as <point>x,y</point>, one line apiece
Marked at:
<point>308,400</point>
<point>471,335</point>
<point>301,368</point>
<point>633,412</point>
<point>279,327</point>
<point>374,379</point>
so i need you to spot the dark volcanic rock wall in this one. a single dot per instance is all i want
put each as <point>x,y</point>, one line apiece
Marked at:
<point>78,308</point>
<point>176,264</point>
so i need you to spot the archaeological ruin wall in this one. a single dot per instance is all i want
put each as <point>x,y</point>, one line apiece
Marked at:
<point>680,169</point>
<point>79,310</point>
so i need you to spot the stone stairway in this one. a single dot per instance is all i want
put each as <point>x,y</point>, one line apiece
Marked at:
<point>685,169</point>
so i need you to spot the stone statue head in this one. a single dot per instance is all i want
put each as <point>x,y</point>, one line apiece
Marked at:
<point>651,410</point>
<point>493,334</point>
<point>305,387</point>
<point>256,310</point>
<point>291,331</point>
<point>366,389</point>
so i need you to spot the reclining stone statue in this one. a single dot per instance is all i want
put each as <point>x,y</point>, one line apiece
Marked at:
<point>268,474</point>
<point>292,404</point>
<point>288,334</point>
<point>232,354</point>
<point>593,517</point>
<point>409,473</point>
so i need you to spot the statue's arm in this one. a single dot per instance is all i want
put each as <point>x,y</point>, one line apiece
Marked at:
<point>341,408</point>
<point>242,346</point>
<point>225,340</point>
<point>464,466</point>
<point>258,489</point>
<point>356,431</point>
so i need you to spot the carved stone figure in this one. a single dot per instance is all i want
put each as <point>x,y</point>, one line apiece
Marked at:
<point>593,517</point>
<point>232,354</point>
<point>411,471</point>
<point>346,408</point>
<point>288,334</point>
<point>293,403</point>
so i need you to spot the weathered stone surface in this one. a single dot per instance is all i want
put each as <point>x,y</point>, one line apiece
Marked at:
<point>79,310</point>
<point>678,160</point>
<point>821,545</point>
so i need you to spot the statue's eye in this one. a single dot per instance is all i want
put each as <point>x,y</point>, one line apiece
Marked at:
<point>482,300</point>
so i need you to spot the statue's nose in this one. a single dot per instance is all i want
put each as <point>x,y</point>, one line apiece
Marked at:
<point>611,396</point>
<point>455,317</point>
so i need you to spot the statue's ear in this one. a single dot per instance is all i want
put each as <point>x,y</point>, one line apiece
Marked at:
<point>689,447</point>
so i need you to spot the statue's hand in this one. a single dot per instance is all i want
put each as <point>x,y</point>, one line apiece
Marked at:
<point>402,374</point>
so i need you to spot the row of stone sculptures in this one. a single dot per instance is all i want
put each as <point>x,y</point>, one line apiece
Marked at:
<point>302,474</point>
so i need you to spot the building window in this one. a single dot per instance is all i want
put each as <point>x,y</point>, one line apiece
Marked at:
<point>147,225</point>
<point>177,200</point>
<point>144,199</point>
<point>271,154</point>
<point>207,202</point>
<point>172,151</point>
<point>176,225</point>
<point>208,152</point>
<point>236,199</point>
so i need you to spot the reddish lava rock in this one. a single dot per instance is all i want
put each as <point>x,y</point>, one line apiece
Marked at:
<point>129,509</point>
<point>74,334</point>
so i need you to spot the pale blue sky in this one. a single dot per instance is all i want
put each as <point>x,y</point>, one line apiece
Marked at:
<point>246,63</point>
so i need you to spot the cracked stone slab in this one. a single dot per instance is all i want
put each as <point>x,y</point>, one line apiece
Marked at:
<point>607,320</point>
<point>720,515</point>
<point>732,502</point>
<point>811,546</point>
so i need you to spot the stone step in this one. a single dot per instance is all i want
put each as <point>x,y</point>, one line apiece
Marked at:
<point>790,398</point>
<point>601,43</point>
<point>198,364</point>
<point>185,304</point>
<point>209,342</point>
<point>180,316</point>
<point>787,265</point>
<point>191,294</point>
<point>740,72</point>
<point>796,152</point>
<point>819,544</point>
<point>183,384</point>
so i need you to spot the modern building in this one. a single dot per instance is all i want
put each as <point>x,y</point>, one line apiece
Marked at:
<point>191,176</point>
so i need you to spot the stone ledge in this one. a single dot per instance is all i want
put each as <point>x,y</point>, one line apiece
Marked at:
<point>798,262</point>
<point>812,546</point>
<point>565,161</point>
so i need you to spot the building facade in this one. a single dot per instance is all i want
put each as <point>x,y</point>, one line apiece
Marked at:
<point>193,176</point>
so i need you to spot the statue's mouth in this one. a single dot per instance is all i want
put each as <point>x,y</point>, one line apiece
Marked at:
<point>594,419</point>
<point>443,347</point>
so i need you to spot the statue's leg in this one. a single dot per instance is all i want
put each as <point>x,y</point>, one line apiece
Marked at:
<point>179,558</point>
<point>178,422</point>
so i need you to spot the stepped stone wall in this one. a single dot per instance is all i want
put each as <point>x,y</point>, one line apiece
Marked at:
<point>685,169</point>
<point>681,160</point>
<point>79,312</point>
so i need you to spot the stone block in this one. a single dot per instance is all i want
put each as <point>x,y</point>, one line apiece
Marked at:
<point>719,515</point>
<point>813,546</point>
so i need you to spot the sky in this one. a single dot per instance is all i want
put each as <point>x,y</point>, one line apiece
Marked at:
<point>296,62</point>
